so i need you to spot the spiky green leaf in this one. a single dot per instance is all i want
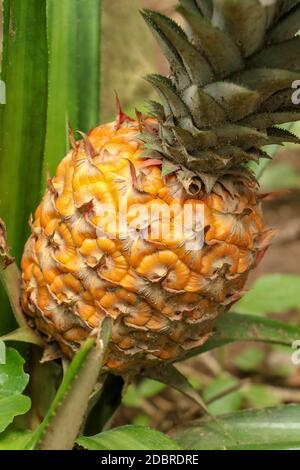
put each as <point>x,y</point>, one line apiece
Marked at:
<point>244,20</point>
<point>220,49</point>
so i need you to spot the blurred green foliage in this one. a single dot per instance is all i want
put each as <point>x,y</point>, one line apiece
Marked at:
<point>280,176</point>
<point>147,388</point>
<point>272,293</point>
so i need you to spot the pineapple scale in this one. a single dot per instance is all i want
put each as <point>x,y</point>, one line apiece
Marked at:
<point>163,297</point>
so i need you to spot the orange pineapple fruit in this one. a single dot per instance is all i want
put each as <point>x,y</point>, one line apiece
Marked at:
<point>230,83</point>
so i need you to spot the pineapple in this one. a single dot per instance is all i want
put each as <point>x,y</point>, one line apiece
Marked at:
<point>230,83</point>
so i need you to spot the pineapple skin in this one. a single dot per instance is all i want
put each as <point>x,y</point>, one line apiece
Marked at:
<point>164,299</point>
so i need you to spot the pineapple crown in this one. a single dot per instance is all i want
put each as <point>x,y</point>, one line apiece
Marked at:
<point>231,84</point>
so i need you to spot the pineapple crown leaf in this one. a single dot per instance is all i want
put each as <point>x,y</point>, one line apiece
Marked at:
<point>266,81</point>
<point>171,100</point>
<point>155,109</point>
<point>280,101</point>
<point>190,5</point>
<point>198,69</point>
<point>230,83</point>
<point>244,20</point>
<point>284,55</point>
<point>237,100</point>
<point>265,120</point>
<point>205,7</point>
<point>286,5</point>
<point>206,112</point>
<point>161,20</point>
<point>287,28</point>
<point>220,49</point>
<point>169,51</point>
<point>282,135</point>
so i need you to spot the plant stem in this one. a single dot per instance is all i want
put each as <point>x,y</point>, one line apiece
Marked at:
<point>63,421</point>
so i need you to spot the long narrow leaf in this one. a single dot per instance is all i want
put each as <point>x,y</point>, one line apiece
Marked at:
<point>23,117</point>
<point>88,70</point>
<point>234,327</point>
<point>62,102</point>
<point>69,379</point>
<point>74,73</point>
<point>22,120</point>
<point>272,150</point>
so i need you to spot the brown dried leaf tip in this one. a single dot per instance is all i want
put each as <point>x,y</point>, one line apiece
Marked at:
<point>90,150</point>
<point>5,258</point>
<point>121,117</point>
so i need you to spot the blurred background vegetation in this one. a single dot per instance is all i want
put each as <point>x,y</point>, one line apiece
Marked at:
<point>128,53</point>
<point>234,377</point>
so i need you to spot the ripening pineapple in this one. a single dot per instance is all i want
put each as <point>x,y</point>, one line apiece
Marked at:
<point>230,83</point>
